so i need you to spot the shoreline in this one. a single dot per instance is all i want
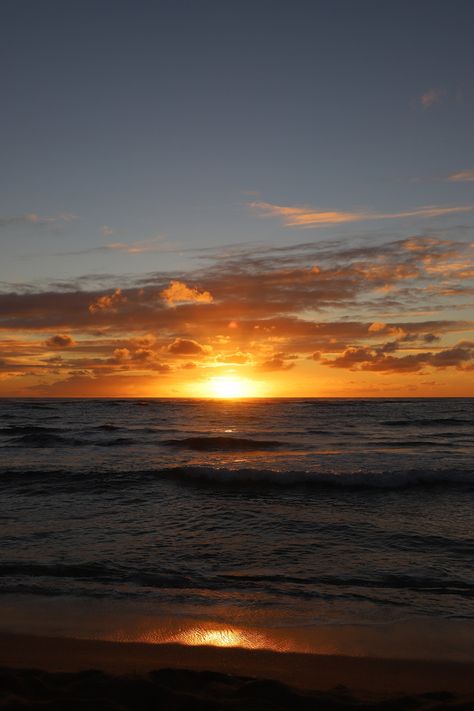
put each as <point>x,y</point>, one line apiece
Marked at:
<point>301,670</point>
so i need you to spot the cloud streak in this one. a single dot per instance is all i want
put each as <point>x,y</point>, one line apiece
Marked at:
<point>33,218</point>
<point>306,217</point>
<point>463,176</point>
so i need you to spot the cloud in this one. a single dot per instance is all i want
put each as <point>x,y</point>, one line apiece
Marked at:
<point>33,218</point>
<point>369,359</point>
<point>60,340</point>
<point>177,292</point>
<point>85,384</point>
<point>463,176</point>
<point>106,231</point>
<point>377,326</point>
<point>294,216</point>
<point>431,97</point>
<point>157,245</point>
<point>108,301</point>
<point>185,347</point>
<point>237,358</point>
<point>142,247</point>
<point>277,362</point>
<point>121,355</point>
<point>139,359</point>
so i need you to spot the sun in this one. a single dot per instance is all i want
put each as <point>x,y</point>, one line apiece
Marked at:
<point>223,386</point>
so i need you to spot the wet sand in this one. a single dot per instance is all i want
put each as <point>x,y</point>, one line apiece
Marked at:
<point>137,675</point>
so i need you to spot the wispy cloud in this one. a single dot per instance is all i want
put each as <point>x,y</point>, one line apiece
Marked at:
<point>33,218</point>
<point>295,216</point>
<point>157,245</point>
<point>463,176</point>
<point>431,97</point>
<point>154,245</point>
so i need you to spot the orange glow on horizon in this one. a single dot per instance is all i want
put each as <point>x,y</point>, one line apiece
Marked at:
<point>229,387</point>
<point>183,340</point>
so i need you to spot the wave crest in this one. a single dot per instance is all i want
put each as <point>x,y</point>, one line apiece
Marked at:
<point>350,480</point>
<point>223,444</point>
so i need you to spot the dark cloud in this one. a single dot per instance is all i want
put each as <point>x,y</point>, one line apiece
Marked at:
<point>365,358</point>
<point>60,340</point>
<point>277,362</point>
<point>185,347</point>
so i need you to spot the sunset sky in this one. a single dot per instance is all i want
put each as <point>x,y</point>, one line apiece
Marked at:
<point>237,197</point>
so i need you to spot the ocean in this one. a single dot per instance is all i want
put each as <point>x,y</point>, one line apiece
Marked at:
<point>297,524</point>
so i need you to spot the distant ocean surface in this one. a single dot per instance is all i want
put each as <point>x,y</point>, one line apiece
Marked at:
<point>282,513</point>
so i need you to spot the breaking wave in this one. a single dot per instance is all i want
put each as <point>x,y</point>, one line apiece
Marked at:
<point>225,444</point>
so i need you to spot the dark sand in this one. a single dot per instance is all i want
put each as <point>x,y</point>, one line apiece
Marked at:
<point>54,673</point>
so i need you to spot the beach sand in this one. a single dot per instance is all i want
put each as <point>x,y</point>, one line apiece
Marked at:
<point>55,673</point>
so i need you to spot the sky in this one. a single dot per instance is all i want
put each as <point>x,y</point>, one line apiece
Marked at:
<point>234,197</point>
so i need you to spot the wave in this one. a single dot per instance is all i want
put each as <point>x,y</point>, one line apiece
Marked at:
<point>429,422</point>
<point>393,581</point>
<point>35,405</point>
<point>40,439</point>
<point>104,573</point>
<point>97,480</point>
<point>46,440</point>
<point>15,574</point>
<point>29,430</point>
<point>226,444</point>
<point>359,479</point>
<point>50,440</point>
<point>54,570</point>
<point>117,442</point>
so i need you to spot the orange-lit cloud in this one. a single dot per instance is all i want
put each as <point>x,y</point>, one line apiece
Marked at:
<point>108,301</point>
<point>157,245</point>
<point>294,318</point>
<point>278,361</point>
<point>177,292</point>
<point>463,176</point>
<point>295,216</point>
<point>431,97</point>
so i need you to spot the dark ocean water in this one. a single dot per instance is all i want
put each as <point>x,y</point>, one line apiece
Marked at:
<point>292,512</point>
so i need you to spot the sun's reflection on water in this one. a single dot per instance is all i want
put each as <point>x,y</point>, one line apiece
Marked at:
<point>201,635</point>
<point>215,638</point>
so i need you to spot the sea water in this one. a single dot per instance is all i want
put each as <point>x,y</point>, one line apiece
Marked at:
<point>283,523</point>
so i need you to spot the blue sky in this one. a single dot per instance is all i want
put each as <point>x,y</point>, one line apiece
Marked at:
<point>158,122</point>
